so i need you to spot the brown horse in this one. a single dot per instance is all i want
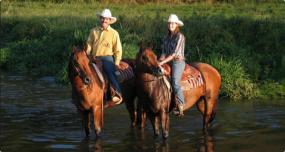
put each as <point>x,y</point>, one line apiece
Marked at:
<point>154,93</point>
<point>88,91</point>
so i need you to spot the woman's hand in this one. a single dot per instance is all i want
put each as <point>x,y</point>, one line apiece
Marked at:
<point>160,63</point>
<point>161,58</point>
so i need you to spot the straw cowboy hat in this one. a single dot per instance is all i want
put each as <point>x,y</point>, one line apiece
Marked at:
<point>174,18</point>
<point>107,13</point>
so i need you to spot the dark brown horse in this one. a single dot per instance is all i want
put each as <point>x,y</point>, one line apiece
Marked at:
<point>88,90</point>
<point>153,92</point>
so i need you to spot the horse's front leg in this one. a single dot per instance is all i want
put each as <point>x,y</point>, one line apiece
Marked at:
<point>164,123</point>
<point>141,115</point>
<point>130,105</point>
<point>98,119</point>
<point>85,116</point>
<point>155,122</point>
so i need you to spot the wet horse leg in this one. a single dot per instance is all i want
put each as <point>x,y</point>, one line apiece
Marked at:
<point>205,106</point>
<point>165,123</point>
<point>143,119</point>
<point>141,115</point>
<point>130,105</point>
<point>98,119</point>
<point>155,123</point>
<point>85,115</point>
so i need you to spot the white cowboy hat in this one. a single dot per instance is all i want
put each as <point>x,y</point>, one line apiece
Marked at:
<point>174,18</point>
<point>107,13</point>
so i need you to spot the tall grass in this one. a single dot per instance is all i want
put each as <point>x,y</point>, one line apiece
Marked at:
<point>235,81</point>
<point>244,41</point>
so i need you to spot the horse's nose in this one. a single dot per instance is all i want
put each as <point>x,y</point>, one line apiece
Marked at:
<point>86,80</point>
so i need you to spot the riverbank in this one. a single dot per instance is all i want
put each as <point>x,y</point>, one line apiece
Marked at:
<point>243,41</point>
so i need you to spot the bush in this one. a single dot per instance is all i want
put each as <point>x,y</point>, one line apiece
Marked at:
<point>245,42</point>
<point>236,83</point>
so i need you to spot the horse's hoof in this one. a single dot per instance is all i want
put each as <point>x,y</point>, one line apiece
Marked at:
<point>133,124</point>
<point>165,135</point>
<point>98,134</point>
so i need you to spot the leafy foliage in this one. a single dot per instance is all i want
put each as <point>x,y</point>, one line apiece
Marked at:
<point>244,41</point>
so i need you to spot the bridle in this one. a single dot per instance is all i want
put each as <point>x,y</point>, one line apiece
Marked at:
<point>156,73</point>
<point>79,71</point>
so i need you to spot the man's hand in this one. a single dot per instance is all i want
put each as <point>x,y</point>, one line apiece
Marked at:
<point>118,67</point>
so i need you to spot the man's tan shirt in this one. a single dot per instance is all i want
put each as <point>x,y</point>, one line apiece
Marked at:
<point>105,42</point>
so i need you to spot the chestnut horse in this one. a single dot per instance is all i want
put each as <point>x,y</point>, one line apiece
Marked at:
<point>88,91</point>
<point>155,95</point>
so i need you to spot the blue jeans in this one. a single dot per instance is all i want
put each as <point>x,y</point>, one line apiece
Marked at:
<point>109,68</point>
<point>177,70</point>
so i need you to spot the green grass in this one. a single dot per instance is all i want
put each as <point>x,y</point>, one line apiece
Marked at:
<point>245,41</point>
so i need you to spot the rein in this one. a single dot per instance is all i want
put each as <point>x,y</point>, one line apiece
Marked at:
<point>79,71</point>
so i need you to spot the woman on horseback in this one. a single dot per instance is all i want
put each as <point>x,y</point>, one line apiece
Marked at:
<point>173,53</point>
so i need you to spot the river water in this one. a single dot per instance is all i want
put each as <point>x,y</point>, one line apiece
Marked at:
<point>37,115</point>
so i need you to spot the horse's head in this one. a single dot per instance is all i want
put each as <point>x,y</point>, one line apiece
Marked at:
<point>79,65</point>
<point>146,61</point>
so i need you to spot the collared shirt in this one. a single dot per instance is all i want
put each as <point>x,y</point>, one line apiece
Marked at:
<point>105,42</point>
<point>174,45</point>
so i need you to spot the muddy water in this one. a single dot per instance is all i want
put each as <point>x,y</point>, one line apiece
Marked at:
<point>37,115</point>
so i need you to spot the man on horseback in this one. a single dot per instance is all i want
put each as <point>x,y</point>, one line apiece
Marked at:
<point>104,43</point>
<point>173,50</point>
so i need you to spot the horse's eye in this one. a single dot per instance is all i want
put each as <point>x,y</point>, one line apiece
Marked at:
<point>76,63</point>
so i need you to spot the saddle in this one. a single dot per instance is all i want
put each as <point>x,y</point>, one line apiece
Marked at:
<point>124,73</point>
<point>191,77</point>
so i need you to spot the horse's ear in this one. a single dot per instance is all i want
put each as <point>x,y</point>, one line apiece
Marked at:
<point>142,47</point>
<point>85,46</point>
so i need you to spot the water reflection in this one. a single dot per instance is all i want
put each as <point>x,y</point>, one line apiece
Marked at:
<point>138,140</point>
<point>89,145</point>
<point>207,142</point>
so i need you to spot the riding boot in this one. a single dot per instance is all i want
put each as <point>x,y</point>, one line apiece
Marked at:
<point>180,108</point>
<point>117,99</point>
<point>178,111</point>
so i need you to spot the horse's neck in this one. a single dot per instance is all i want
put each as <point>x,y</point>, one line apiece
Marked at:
<point>147,76</point>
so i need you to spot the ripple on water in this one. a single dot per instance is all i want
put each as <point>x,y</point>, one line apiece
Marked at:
<point>62,146</point>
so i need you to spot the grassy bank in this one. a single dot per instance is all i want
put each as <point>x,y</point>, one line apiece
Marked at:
<point>245,41</point>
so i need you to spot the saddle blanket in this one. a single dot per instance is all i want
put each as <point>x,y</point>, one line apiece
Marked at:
<point>192,82</point>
